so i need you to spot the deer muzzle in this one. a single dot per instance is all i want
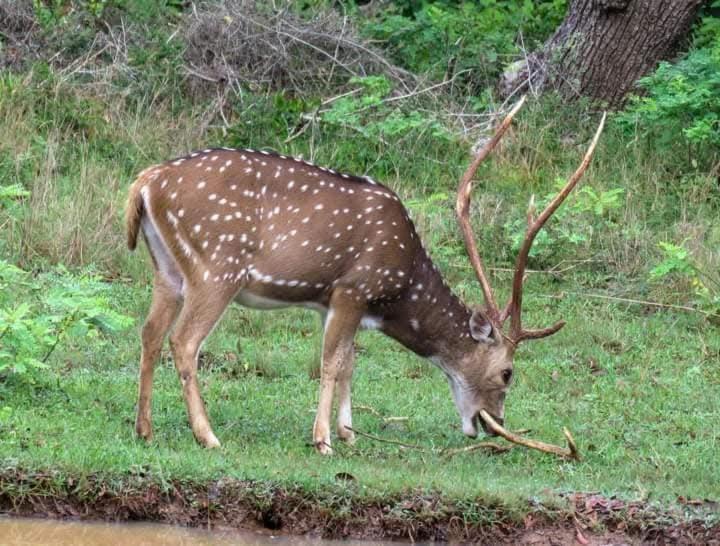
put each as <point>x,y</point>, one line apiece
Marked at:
<point>485,426</point>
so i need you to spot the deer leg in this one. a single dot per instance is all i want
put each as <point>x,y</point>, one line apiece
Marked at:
<point>341,323</point>
<point>343,382</point>
<point>163,311</point>
<point>200,313</point>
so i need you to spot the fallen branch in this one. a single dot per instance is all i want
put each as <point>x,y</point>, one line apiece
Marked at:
<point>492,446</point>
<point>376,413</point>
<point>631,300</point>
<point>571,452</point>
<point>378,439</point>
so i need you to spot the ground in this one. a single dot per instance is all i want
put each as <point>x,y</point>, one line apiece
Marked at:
<point>648,453</point>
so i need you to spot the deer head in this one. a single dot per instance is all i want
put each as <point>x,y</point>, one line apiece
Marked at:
<point>485,371</point>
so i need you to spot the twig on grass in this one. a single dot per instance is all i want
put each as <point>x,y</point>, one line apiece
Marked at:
<point>386,441</point>
<point>554,270</point>
<point>492,446</point>
<point>630,300</point>
<point>571,452</point>
<point>376,413</point>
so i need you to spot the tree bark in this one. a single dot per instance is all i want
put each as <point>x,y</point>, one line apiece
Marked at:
<point>604,46</point>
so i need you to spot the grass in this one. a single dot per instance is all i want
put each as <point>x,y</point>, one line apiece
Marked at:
<point>639,387</point>
<point>629,391</point>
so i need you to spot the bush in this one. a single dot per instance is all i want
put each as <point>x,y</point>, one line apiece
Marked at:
<point>572,226</point>
<point>471,40</point>
<point>38,314</point>
<point>678,264</point>
<point>682,99</point>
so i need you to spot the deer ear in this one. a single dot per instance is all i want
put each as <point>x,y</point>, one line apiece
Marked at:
<point>481,329</point>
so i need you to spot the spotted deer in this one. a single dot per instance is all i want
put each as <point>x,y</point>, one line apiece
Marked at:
<point>269,231</point>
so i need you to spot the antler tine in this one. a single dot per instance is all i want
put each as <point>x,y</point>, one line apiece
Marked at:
<point>462,208</point>
<point>514,306</point>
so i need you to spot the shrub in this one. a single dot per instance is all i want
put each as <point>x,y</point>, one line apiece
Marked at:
<point>38,314</point>
<point>572,226</point>
<point>682,99</point>
<point>470,40</point>
<point>678,263</point>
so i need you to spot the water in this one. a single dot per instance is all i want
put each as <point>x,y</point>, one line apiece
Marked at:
<point>41,532</point>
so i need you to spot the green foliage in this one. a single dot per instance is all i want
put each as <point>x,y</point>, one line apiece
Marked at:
<point>50,12</point>
<point>681,99</point>
<point>678,263</point>
<point>63,13</point>
<point>707,32</point>
<point>472,40</point>
<point>37,314</point>
<point>573,224</point>
<point>369,114</point>
<point>364,132</point>
<point>10,194</point>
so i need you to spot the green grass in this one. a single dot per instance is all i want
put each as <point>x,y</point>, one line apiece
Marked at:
<point>638,390</point>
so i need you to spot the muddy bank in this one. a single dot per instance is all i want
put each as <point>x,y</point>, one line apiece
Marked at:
<point>342,513</point>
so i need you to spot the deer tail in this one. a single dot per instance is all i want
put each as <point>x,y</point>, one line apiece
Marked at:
<point>134,212</point>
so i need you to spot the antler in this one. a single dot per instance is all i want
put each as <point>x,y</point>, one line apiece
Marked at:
<point>571,452</point>
<point>462,208</point>
<point>514,306</point>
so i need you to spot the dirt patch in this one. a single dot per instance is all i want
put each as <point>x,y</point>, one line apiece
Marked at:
<point>583,518</point>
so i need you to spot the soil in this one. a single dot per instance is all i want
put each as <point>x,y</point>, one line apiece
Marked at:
<point>585,518</point>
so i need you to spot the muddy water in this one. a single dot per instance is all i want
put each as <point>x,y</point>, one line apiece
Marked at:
<point>38,532</point>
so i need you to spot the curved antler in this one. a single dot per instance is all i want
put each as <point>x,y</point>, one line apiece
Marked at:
<point>462,208</point>
<point>514,305</point>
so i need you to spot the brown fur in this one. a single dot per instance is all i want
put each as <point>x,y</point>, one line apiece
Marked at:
<point>257,227</point>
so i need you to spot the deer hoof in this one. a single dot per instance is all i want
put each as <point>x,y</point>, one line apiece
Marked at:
<point>323,448</point>
<point>144,430</point>
<point>211,442</point>
<point>346,436</point>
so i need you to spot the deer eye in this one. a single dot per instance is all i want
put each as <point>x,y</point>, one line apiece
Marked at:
<point>507,375</point>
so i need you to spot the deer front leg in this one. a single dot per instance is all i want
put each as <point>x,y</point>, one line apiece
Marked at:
<point>341,323</point>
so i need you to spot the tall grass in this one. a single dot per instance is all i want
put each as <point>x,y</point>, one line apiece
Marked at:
<point>76,152</point>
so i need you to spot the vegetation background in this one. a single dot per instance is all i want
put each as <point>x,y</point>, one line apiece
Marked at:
<point>93,91</point>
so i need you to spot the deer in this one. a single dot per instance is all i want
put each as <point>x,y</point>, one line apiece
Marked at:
<point>268,231</point>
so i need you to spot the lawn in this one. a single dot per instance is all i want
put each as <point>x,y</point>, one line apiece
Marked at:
<point>638,387</point>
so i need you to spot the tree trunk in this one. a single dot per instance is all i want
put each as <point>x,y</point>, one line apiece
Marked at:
<point>603,47</point>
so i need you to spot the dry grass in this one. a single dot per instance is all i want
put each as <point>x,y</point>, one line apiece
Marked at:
<point>18,34</point>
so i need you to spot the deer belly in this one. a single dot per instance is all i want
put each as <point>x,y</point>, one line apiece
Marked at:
<point>263,302</point>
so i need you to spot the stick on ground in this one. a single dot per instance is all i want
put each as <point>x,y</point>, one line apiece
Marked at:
<point>571,452</point>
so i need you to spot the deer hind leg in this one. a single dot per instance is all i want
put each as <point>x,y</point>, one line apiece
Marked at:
<point>201,311</point>
<point>163,311</point>
<point>341,323</point>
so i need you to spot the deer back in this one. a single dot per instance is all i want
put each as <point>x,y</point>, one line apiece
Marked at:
<point>277,227</point>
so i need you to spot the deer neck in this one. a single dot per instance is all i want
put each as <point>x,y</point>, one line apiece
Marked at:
<point>430,320</point>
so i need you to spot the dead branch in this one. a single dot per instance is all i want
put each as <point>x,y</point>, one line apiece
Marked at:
<point>376,413</point>
<point>571,452</point>
<point>386,441</point>
<point>633,301</point>
<point>247,43</point>
<point>492,446</point>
